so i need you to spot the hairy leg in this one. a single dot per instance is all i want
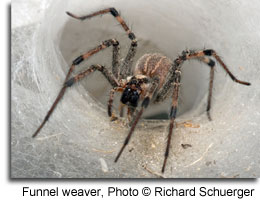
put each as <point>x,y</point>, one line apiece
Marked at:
<point>199,55</point>
<point>125,68</point>
<point>173,112</point>
<point>111,100</point>
<point>145,103</point>
<point>81,58</point>
<point>174,77</point>
<point>68,83</point>
<point>113,12</point>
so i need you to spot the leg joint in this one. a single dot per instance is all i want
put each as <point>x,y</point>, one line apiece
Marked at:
<point>131,36</point>
<point>115,42</point>
<point>70,82</point>
<point>78,60</point>
<point>134,43</point>
<point>211,63</point>
<point>173,112</point>
<point>208,52</point>
<point>114,12</point>
<point>184,55</point>
<point>97,67</point>
<point>108,43</point>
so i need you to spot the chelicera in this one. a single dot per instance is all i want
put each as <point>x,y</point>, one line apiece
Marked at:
<point>153,78</point>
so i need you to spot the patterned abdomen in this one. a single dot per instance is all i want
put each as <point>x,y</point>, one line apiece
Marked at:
<point>153,65</point>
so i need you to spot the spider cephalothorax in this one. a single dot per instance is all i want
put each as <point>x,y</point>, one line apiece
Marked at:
<point>153,78</point>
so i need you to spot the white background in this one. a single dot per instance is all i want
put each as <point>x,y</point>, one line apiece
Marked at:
<point>12,189</point>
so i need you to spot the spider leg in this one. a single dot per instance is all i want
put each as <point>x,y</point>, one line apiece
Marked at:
<point>111,99</point>
<point>210,63</point>
<point>68,83</point>
<point>113,12</point>
<point>115,59</point>
<point>127,63</point>
<point>145,103</point>
<point>212,70</point>
<point>125,68</point>
<point>108,75</point>
<point>130,132</point>
<point>130,113</point>
<point>200,55</point>
<point>176,87</point>
<point>60,95</point>
<point>210,52</point>
<point>167,86</point>
<point>78,60</point>
<point>121,109</point>
<point>174,77</point>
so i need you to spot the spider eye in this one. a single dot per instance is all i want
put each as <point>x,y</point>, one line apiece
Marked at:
<point>125,96</point>
<point>134,99</point>
<point>130,96</point>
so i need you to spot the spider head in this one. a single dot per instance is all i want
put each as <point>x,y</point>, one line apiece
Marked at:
<point>130,96</point>
<point>131,92</point>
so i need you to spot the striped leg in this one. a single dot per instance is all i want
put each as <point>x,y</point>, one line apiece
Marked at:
<point>210,52</point>
<point>71,81</point>
<point>77,61</point>
<point>58,98</point>
<point>108,75</point>
<point>200,55</point>
<point>145,103</point>
<point>115,60</point>
<point>174,77</point>
<point>81,58</point>
<point>210,63</point>
<point>210,91</point>
<point>167,86</point>
<point>173,112</point>
<point>111,100</point>
<point>113,12</point>
<point>127,63</point>
<point>125,68</point>
<point>177,77</point>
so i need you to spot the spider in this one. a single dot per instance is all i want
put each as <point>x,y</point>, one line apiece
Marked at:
<point>153,78</point>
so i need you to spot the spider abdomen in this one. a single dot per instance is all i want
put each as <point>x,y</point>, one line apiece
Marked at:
<point>152,65</point>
